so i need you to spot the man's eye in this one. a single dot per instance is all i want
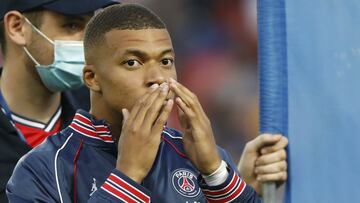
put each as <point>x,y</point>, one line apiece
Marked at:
<point>132,63</point>
<point>167,62</point>
<point>74,27</point>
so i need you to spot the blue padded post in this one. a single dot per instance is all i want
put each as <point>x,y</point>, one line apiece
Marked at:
<point>273,74</point>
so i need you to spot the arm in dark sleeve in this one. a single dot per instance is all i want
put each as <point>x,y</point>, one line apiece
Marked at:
<point>29,185</point>
<point>120,188</point>
<point>234,189</point>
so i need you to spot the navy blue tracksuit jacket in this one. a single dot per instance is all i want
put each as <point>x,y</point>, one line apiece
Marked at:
<point>78,165</point>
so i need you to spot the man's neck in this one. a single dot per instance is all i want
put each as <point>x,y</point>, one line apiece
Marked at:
<point>102,112</point>
<point>24,92</point>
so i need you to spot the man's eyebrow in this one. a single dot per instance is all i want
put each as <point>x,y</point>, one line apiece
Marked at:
<point>74,18</point>
<point>167,51</point>
<point>137,53</point>
<point>144,55</point>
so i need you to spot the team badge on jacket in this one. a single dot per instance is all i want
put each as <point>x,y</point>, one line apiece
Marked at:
<point>185,183</point>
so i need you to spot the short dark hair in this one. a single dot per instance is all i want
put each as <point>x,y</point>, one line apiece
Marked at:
<point>119,17</point>
<point>2,37</point>
<point>35,17</point>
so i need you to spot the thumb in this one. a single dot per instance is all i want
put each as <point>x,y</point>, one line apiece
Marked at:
<point>263,140</point>
<point>125,114</point>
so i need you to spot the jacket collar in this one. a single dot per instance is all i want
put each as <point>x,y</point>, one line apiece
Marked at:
<point>98,133</point>
<point>90,129</point>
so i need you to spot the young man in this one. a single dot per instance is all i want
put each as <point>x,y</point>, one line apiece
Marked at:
<point>43,56</point>
<point>121,151</point>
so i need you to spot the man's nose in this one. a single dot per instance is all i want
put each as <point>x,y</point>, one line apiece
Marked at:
<point>155,75</point>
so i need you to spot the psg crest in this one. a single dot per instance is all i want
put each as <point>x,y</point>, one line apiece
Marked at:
<point>185,183</point>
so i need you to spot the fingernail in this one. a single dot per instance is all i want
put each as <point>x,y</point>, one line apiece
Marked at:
<point>172,80</point>
<point>164,88</point>
<point>154,86</point>
<point>173,85</point>
<point>170,102</point>
<point>276,137</point>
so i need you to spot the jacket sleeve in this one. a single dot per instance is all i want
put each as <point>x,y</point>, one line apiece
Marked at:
<point>120,188</point>
<point>234,189</point>
<point>28,185</point>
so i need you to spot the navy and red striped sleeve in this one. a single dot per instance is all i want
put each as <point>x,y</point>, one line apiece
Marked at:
<point>233,190</point>
<point>120,188</point>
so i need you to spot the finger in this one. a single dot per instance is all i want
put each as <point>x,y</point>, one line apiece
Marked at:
<point>164,115</point>
<point>156,106</point>
<point>186,95</point>
<point>271,168</point>
<point>180,87</point>
<point>281,176</point>
<point>125,114</point>
<point>182,118</point>
<point>271,158</point>
<point>145,106</point>
<point>281,144</point>
<point>261,141</point>
<point>136,107</point>
<point>188,112</point>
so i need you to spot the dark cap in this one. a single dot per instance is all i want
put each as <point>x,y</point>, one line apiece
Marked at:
<point>67,7</point>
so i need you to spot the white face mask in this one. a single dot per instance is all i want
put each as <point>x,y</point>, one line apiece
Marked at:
<point>65,73</point>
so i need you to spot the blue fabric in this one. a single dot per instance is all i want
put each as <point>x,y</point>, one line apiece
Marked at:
<point>320,48</point>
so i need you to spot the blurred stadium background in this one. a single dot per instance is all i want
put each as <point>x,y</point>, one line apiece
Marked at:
<point>216,57</point>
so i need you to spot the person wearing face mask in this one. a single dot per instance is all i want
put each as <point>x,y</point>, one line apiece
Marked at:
<point>65,73</point>
<point>41,80</point>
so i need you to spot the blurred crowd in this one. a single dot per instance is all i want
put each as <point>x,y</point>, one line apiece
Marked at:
<point>216,57</point>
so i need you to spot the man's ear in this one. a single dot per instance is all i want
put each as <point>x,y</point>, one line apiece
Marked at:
<point>15,27</point>
<point>91,79</point>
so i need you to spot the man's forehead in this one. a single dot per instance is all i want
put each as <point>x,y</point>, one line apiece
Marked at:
<point>143,35</point>
<point>146,38</point>
<point>66,17</point>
